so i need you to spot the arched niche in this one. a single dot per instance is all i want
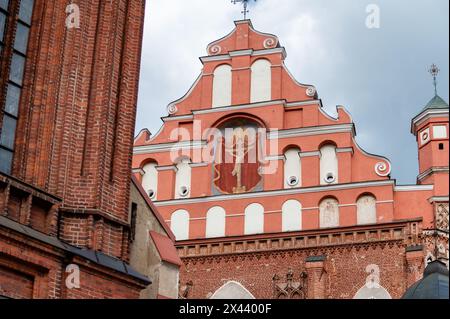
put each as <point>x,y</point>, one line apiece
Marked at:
<point>215,222</point>
<point>222,86</point>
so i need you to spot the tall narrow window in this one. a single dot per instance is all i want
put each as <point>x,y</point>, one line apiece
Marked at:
<point>328,165</point>
<point>222,86</point>
<point>366,210</point>
<point>291,216</point>
<point>329,213</point>
<point>183,179</point>
<point>254,219</point>
<point>150,180</point>
<point>261,83</point>
<point>292,168</point>
<point>19,25</point>
<point>179,224</point>
<point>215,222</point>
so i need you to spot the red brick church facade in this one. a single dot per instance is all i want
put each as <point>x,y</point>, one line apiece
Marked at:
<point>68,93</point>
<point>270,197</point>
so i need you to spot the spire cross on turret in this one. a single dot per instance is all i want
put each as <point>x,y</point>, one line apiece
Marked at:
<point>245,4</point>
<point>434,71</point>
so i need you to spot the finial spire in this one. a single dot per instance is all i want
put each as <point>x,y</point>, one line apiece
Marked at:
<point>434,71</point>
<point>245,4</point>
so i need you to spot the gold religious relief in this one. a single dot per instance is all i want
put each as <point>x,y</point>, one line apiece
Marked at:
<point>236,170</point>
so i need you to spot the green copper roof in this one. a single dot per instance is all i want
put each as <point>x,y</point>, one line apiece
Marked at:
<point>436,103</point>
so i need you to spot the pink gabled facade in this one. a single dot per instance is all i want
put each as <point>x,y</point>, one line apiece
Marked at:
<point>249,165</point>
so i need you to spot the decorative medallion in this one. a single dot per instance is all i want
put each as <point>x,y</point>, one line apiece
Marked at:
<point>383,169</point>
<point>311,91</point>
<point>269,43</point>
<point>425,136</point>
<point>215,49</point>
<point>172,109</point>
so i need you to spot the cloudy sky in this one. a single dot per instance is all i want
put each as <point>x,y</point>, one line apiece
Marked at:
<point>379,75</point>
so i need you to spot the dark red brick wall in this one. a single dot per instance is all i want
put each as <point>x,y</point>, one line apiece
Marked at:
<point>14,284</point>
<point>78,108</point>
<point>29,269</point>
<point>345,270</point>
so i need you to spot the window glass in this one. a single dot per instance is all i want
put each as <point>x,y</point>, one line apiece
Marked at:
<point>8,132</point>
<point>21,41</point>
<point>12,100</point>
<point>2,25</point>
<point>4,4</point>
<point>5,161</point>
<point>26,10</point>
<point>17,68</point>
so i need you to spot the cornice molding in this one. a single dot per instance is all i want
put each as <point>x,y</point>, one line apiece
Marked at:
<point>167,147</point>
<point>291,191</point>
<point>422,117</point>
<point>356,237</point>
<point>432,170</point>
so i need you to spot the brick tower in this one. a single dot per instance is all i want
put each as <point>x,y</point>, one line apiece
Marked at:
<point>431,129</point>
<point>68,94</point>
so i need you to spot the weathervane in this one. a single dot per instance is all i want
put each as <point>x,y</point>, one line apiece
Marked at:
<point>245,3</point>
<point>434,71</point>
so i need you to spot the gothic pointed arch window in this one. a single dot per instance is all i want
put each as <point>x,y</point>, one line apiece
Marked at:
<point>366,209</point>
<point>222,86</point>
<point>232,290</point>
<point>329,213</point>
<point>215,222</point>
<point>261,81</point>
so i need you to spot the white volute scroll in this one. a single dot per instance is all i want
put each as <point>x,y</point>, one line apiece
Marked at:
<point>222,86</point>
<point>261,81</point>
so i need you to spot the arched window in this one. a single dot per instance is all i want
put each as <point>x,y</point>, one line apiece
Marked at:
<point>261,84</point>
<point>291,216</point>
<point>222,86</point>
<point>254,219</point>
<point>215,222</point>
<point>183,179</point>
<point>150,180</point>
<point>232,290</point>
<point>179,224</point>
<point>329,213</point>
<point>292,168</point>
<point>328,165</point>
<point>366,210</point>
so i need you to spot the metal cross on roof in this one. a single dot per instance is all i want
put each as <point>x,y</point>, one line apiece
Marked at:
<point>245,4</point>
<point>434,71</point>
